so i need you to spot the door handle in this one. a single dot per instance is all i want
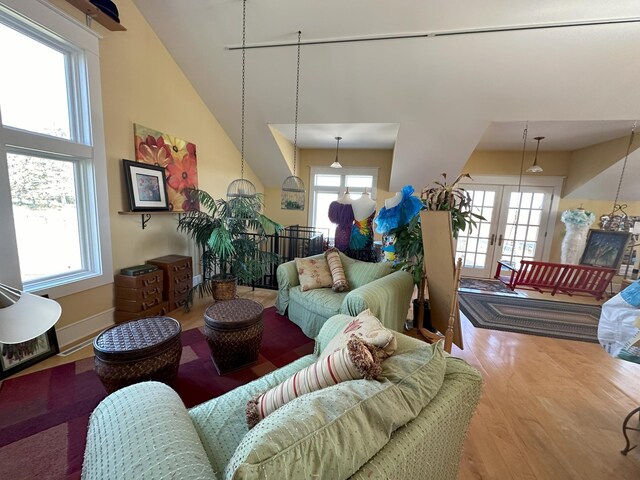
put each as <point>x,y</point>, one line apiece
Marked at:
<point>500,240</point>
<point>492,239</point>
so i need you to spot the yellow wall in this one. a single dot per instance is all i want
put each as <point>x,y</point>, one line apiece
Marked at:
<point>141,83</point>
<point>380,159</point>
<point>508,163</point>
<point>599,207</point>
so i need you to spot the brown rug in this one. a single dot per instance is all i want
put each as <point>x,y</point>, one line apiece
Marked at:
<point>569,321</point>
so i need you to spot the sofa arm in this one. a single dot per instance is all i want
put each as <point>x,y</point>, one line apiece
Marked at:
<point>287,276</point>
<point>144,431</point>
<point>387,297</point>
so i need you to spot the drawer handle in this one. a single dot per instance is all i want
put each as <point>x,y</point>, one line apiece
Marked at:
<point>183,290</point>
<point>148,305</point>
<point>153,291</point>
<point>177,268</point>
<point>181,279</point>
<point>150,281</point>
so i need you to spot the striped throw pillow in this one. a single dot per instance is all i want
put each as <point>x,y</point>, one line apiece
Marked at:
<point>357,360</point>
<point>340,283</point>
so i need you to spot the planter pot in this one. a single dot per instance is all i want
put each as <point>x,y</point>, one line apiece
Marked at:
<point>224,288</point>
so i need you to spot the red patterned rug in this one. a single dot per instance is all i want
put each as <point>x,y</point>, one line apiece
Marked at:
<point>44,415</point>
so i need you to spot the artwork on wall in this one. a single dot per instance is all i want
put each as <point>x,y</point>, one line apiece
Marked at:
<point>177,157</point>
<point>146,186</point>
<point>18,356</point>
<point>605,249</point>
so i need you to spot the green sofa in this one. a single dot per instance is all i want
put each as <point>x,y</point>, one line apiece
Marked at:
<point>410,423</point>
<point>372,285</point>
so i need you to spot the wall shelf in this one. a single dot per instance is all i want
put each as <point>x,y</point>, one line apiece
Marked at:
<point>93,12</point>
<point>146,216</point>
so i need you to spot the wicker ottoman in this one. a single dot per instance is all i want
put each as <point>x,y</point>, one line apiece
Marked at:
<point>233,329</point>
<point>136,351</point>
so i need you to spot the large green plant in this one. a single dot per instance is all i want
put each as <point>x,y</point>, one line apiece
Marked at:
<point>231,235</point>
<point>442,196</point>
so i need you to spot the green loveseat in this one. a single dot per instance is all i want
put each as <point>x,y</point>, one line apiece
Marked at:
<point>410,423</point>
<point>376,286</point>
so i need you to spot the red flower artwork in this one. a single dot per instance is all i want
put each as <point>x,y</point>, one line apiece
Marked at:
<point>182,173</point>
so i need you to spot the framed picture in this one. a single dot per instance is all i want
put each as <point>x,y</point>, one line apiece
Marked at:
<point>605,249</point>
<point>18,356</point>
<point>146,186</point>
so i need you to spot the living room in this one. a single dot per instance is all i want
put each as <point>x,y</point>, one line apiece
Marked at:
<point>571,429</point>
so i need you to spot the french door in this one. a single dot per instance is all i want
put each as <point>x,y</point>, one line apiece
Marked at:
<point>514,228</point>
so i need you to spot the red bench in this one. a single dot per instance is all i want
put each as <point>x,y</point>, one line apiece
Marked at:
<point>556,277</point>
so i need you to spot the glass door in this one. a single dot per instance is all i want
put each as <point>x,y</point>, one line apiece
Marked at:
<point>514,228</point>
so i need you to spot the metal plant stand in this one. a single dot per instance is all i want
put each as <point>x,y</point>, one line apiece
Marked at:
<point>626,427</point>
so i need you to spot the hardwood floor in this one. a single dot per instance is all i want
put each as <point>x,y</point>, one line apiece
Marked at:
<point>550,409</point>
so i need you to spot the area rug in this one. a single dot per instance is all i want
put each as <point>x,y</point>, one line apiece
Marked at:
<point>485,285</point>
<point>44,415</point>
<point>569,321</point>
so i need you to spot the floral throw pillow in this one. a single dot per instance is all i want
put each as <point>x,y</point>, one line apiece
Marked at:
<point>313,273</point>
<point>368,328</point>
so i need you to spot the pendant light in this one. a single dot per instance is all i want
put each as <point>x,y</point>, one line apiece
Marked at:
<point>242,188</point>
<point>336,163</point>
<point>535,168</point>
<point>293,192</point>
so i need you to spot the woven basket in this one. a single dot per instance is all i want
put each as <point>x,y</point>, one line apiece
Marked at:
<point>224,288</point>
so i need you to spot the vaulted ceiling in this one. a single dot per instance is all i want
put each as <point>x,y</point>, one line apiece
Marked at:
<point>433,98</point>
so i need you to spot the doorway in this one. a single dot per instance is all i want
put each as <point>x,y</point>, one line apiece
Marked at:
<point>514,228</point>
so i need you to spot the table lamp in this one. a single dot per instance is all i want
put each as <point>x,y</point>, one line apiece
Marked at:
<point>24,316</point>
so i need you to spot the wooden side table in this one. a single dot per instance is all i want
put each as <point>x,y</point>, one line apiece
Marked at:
<point>177,277</point>
<point>233,329</point>
<point>139,296</point>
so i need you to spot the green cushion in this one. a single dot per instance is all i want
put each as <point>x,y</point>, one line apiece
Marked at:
<point>322,301</point>
<point>360,273</point>
<point>221,422</point>
<point>307,437</point>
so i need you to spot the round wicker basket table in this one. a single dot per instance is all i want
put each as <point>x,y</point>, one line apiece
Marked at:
<point>137,351</point>
<point>233,329</point>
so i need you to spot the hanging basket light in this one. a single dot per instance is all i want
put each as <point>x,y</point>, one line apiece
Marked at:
<point>241,187</point>
<point>293,190</point>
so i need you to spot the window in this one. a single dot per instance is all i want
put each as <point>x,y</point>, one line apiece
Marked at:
<point>328,186</point>
<point>52,153</point>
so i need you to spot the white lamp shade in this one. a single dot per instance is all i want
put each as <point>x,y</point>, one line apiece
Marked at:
<point>27,318</point>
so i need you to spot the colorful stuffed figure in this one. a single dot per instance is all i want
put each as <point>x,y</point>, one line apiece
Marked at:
<point>398,211</point>
<point>341,213</point>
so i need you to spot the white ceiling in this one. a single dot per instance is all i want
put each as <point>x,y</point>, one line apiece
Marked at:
<point>443,95</point>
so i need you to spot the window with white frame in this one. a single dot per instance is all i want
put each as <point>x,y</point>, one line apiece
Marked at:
<point>328,185</point>
<point>52,151</point>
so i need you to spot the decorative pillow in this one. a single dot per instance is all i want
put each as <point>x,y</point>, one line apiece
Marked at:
<point>356,360</point>
<point>340,283</point>
<point>368,328</point>
<point>313,273</point>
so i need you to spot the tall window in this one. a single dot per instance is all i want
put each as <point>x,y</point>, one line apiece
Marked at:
<point>328,185</point>
<point>53,150</point>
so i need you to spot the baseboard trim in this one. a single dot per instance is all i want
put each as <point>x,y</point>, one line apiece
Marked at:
<point>85,327</point>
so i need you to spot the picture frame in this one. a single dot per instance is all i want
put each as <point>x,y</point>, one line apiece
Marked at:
<point>605,248</point>
<point>146,186</point>
<point>15,357</point>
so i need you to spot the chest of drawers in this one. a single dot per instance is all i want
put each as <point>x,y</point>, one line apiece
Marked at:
<point>139,296</point>
<point>177,277</point>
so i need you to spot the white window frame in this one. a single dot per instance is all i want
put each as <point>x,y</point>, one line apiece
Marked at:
<point>343,172</point>
<point>86,150</point>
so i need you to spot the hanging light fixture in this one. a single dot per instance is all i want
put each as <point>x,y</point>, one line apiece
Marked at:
<point>242,188</point>
<point>616,206</point>
<point>535,168</point>
<point>293,193</point>
<point>524,148</point>
<point>336,163</point>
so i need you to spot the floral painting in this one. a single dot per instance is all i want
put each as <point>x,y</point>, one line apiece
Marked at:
<point>177,156</point>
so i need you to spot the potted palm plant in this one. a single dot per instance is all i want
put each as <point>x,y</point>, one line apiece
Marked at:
<point>231,235</point>
<point>442,196</point>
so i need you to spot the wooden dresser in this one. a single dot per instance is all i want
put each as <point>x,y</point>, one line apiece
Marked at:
<point>177,278</point>
<point>139,296</point>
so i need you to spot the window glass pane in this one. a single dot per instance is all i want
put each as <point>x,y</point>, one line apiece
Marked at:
<point>45,214</point>
<point>489,199</point>
<point>327,180</point>
<point>485,229</point>
<point>480,261</point>
<point>526,200</point>
<point>33,91</point>
<point>535,217</point>
<point>538,198</point>
<point>361,181</point>
<point>321,214</point>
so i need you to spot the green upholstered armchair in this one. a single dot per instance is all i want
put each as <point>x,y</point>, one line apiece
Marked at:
<point>376,286</point>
